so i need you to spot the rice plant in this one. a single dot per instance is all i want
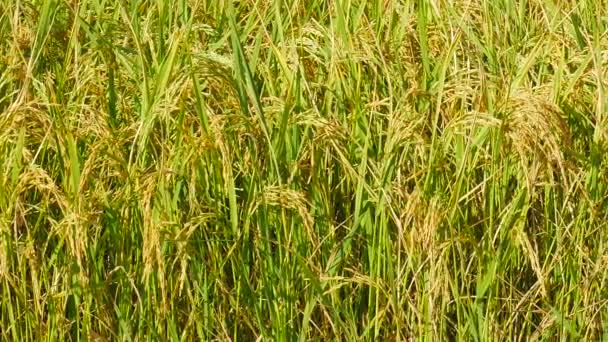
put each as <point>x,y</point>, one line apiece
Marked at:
<point>286,170</point>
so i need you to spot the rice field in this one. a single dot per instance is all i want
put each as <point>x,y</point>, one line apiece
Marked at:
<point>294,170</point>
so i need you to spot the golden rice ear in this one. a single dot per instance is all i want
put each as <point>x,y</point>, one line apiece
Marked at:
<point>536,130</point>
<point>5,229</point>
<point>405,128</point>
<point>420,219</point>
<point>283,197</point>
<point>146,186</point>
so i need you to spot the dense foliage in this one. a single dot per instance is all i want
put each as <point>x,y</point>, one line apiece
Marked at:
<point>313,169</point>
